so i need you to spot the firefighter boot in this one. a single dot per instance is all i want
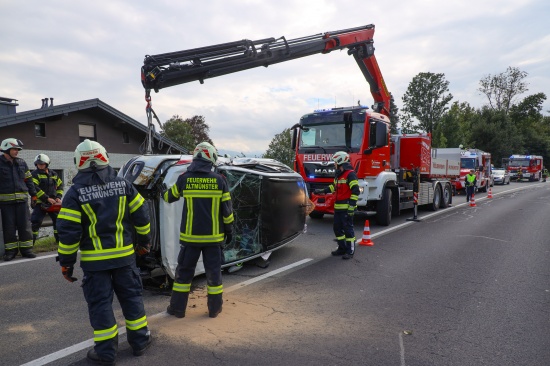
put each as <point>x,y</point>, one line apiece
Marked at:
<point>178,304</point>
<point>27,253</point>
<point>341,250</point>
<point>9,255</point>
<point>215,303</point>
<point>350,250</point>
<point>101,360</point>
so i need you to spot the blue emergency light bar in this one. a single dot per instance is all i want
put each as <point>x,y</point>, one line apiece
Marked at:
<point>339,109</point>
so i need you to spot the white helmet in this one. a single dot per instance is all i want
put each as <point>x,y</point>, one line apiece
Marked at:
<point>340,157</point>
<point>89,154</point>
<point>42,159</point>
<point>206,151</point>
<point>11,143</point>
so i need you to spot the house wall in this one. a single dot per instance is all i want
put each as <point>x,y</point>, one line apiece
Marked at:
<point>62,133</point>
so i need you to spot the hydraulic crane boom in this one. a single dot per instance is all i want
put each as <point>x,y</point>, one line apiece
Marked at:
<point>169,69</point>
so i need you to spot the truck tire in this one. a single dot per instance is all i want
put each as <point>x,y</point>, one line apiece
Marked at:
<point>437,198</point>
<point>316,215</point>
<point>447,195</point>
<point>383,209</point>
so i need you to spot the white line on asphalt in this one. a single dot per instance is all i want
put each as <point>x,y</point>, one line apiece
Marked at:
<point>122,330</point>
<point>402,349</point>
<point>267,275</point>
<point>25,260</point>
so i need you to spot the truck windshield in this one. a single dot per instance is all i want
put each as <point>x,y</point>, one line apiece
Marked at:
<point>328,135</point>
<point>519,162</point>
<point>467,163</point>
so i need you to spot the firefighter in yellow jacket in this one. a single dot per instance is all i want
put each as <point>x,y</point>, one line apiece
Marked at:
<point>206,222</point>
<point>99,215</point>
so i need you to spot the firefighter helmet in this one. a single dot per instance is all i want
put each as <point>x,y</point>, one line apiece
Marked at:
<point>206,151</point>
<point>42,159</point>
<point>11,143</point>
<point>340,157</point>
<point>90,154</point>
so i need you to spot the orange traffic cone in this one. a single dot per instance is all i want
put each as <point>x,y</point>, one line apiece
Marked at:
<point>472,201</point>
<point>366,236</point>
<point>490,194</point>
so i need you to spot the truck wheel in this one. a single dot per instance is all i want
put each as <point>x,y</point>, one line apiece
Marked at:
<point>316,215</point>
<point>383,209</point>
<point>437,198</point>
<point>446,198</point>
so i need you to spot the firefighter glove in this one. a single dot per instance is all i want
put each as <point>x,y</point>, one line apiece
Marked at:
<point>67,272</point>
<point>319,191</point>
<point>142,249</point>
<point>33,201</point>
<point>228,237</point>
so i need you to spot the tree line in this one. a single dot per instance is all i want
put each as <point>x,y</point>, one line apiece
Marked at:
<point>505,125</point>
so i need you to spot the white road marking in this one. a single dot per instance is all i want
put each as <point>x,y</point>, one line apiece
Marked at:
<point>402,349</point>
<point>122,330</point>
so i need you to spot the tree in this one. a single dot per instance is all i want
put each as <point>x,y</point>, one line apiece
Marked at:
<point>186,132</point>
<point>177,130</point>
<point>280,149</point>
<point>199,129</point>
<point>394,116</point>
<point>502,89</point>
<point>426,100</point>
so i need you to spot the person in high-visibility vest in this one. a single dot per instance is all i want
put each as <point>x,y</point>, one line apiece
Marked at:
<point>470,182</point>
<point>101,215</point>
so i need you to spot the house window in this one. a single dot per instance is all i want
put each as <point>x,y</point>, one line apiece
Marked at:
<point>125,138</point>
<point>40,129</point>
<point>86,132</point>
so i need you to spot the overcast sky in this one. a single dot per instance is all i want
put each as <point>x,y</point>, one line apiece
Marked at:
<point>79,50</point>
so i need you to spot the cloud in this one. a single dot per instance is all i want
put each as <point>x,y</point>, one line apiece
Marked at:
<point>76,50</point>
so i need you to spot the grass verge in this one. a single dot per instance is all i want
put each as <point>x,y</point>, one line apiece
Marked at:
<point>45,244</point>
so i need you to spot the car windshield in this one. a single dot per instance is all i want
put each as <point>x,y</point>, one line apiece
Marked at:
<point>498,171</point>
<point>519,162</point>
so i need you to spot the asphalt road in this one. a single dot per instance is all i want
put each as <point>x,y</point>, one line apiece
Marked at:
<point>464,286</point>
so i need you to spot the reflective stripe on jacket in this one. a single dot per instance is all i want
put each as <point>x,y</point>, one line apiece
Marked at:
<point>48,184</point>
<point>207,211</point>
<point>346,189</point>
<point>98,216</point>
<point>15,181</point>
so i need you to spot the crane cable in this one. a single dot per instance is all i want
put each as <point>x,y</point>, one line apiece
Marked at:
<point>150,114</point>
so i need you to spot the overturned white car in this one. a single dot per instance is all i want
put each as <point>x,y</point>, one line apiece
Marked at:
<point>270,205</point>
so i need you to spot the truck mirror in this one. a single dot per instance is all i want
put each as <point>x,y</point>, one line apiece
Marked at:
<point>293,138</point>
<point>381,134</point>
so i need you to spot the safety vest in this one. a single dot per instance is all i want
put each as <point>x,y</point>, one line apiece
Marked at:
<point>470,179</point>
<point>346,190</point>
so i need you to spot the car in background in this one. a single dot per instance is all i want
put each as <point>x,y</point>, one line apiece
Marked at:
<point>501,176</point>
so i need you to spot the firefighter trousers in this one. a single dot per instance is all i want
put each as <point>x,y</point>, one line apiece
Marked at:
<point>99,287</point>
<point>343,230</point>
<point>37,217</point>
<point>16,226</point>
<point>185,271</point>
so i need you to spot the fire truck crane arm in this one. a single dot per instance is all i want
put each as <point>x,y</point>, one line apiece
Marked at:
<point>170,69</point>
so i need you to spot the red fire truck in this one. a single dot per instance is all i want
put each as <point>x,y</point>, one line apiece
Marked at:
<point>530,167</point>
<point>364,133</point>
<point>475,159</point>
